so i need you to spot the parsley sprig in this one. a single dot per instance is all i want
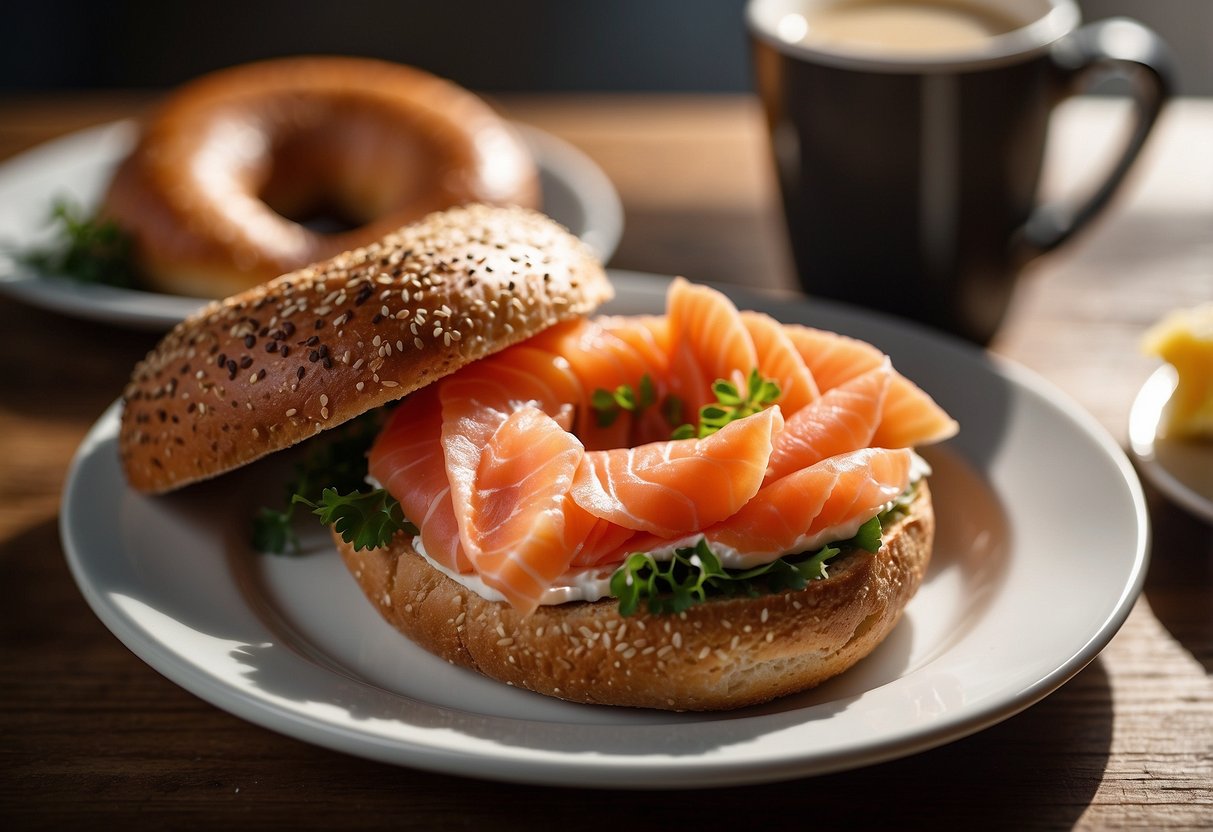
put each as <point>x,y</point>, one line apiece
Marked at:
<point>695,574</point>
<point>337,464</point>
<point>731,405</point>
<point>85,248</point>
<point>368,520</point>
<point>608,404</point>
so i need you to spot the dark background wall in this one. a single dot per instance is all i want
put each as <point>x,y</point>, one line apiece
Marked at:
<point>616,45</point>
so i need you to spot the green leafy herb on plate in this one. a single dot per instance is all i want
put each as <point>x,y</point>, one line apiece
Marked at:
<point>338,463</point>
<point>695,574</point>
<point>730,405</point>
<point>85,248</point>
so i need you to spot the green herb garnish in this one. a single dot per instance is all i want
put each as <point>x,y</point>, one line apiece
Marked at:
<point>730,405</point>
<point>607,405</point>
<point>338,464</point>
<point>368,520</point>
<point>85,248</point>
<point>694,574</point>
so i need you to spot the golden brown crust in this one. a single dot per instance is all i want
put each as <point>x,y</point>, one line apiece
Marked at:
<point>380,143</point>
<point>724,654</point>
<point>277,364</point>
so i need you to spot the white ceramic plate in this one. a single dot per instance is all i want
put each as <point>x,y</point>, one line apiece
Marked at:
<point>78,166</point>
<point>1041,552</point>
<point>1181,470</point>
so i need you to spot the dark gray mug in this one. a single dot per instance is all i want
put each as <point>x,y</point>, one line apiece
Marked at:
<point>909,179</point>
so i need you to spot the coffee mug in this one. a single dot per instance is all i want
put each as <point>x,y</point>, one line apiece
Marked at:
<point>908,138</point>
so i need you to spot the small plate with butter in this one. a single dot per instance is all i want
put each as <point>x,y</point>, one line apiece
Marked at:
<point>1171,421</point>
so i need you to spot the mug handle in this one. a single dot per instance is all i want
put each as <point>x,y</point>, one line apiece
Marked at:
<point>1131,49</point>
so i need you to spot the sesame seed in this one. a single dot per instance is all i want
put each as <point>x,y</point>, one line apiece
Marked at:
<point>291,412</point>
<point>417,343</point>
<point>324,399</point>
<point>677,640</point>
<point>359,386</point>
<point>770,636</point>
<point>324,413</point>
<point>505,642</point>
<point>387,383</point>
<point>703,654</point>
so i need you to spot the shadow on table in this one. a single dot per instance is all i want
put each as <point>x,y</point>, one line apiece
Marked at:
<point>1179,584</point>
<point>1040,769</point>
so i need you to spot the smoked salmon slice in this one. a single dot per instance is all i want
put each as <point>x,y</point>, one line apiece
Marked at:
<point>910,418</point>
<point>708,342</point>
<point>480,397</point>
<point>408,462</point>
<point>842,420</point>
<point>779,361</point>
<point>673,487</point>
<point>814,506</point>
<point>517,534</point>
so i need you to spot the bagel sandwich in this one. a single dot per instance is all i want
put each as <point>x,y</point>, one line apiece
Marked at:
<point>690,624</point>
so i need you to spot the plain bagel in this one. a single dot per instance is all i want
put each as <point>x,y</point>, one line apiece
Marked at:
<point>277,364</point>
<point>726,653</point>
<point>227,159</point>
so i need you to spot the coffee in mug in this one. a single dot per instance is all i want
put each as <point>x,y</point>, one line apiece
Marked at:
<point>908,137</point>
<point>910,26</point>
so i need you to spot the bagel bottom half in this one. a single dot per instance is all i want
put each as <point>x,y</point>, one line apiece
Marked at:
<point>725,653</point>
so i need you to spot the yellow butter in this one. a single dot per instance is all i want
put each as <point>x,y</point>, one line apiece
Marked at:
<point>1184,339</point>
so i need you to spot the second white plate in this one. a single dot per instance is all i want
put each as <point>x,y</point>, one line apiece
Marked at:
<point>576,193</point>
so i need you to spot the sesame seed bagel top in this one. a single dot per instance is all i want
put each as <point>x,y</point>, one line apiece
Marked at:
<point>277,364</point>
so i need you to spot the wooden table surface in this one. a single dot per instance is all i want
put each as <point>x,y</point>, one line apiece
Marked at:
<point>93,736</point>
